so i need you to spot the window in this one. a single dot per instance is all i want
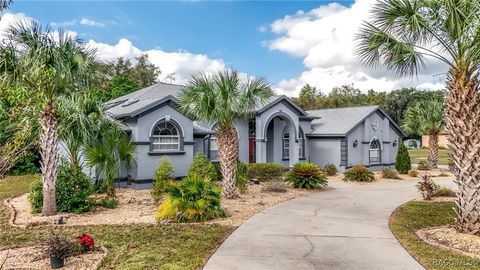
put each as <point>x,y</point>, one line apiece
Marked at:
<point>165,137</point>
<point>375,151</point>
<point>213,151</point>
<point>301,148</point>
<point>286,144</point>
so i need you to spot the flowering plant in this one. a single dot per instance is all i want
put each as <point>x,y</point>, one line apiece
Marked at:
<point>86,241</point>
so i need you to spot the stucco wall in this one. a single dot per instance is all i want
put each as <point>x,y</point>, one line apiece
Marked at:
<point>324,151</point>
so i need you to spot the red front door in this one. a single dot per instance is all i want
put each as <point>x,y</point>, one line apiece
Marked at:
<point>251,150</point>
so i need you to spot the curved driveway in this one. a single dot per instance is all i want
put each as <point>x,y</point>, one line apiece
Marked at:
<point>343,228</point>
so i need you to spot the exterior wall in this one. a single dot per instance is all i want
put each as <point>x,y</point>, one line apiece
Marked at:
<point>242,130</point>
<point>442,141</point>
<point>324,151</point>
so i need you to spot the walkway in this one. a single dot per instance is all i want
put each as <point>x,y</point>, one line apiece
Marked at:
<point>344,228</point>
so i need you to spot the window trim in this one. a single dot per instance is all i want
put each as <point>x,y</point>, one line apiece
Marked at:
<point>285,150</point>
<point>301,148</point>
<point>179,135</point>
<point>377,159</point>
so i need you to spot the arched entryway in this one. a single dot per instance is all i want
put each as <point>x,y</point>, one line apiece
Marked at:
<point>281,140</point>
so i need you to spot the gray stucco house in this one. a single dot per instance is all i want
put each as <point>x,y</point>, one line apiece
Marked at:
<point>279,132</point>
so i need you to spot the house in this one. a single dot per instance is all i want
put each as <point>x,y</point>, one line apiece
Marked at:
<point>279,132</point>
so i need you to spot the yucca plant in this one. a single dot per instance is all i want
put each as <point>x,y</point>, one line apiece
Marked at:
<point>306,175</point>
<point>359,173</point>
<point>194,199</point>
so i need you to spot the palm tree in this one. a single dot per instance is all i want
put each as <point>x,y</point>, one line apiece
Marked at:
<point>401,35</point>
<point>220,99</point>
<point>52,63</point>
<point>426,117</point>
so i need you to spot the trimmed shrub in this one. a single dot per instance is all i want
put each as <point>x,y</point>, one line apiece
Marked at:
<point>275,186</point>
<point>359,173</point>
<point>423,165</point>
<point>403,162</point>
<point>413,173</point>
<point>330,170</point>
<point>194,199</point>
<point>202,167</point>
<point>444,192</point>
<point>109,202</point>
<point>389,173</point>
<point>163,178</point>
<point>72,191</point>
<point>241,180</point>
<point>265,171</point>
<point>306,175</point>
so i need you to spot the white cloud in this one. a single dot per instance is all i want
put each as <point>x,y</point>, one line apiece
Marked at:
<point>181,63</point>
<point>89,22</point>
<point>324,39</point>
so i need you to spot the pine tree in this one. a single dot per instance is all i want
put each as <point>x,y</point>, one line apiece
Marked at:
<point>403,163</point>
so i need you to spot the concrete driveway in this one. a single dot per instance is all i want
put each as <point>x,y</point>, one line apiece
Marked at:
<point>343,228</point>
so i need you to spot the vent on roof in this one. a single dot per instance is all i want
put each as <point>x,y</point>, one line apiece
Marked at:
<point>129,102</point>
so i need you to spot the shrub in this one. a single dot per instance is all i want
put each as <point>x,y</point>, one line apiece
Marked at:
<point>163,178</point>
<point>413,173</point>
<point>192,200</point>
<point>444,192</point>
<point>403,162</point>
<point>26,164</point>
<point>72,191</point>
<point>442,174</point>
<point>330,170</point>
<point>275,186</point>
<point>389,173</point>
<point>218,170</point>
<point>109,202</point>
<point>359,173</point>
<point>451,165</point>
<point>202,167</point>
<point>59,247</point>
<point>265,171</point>
<point>241,180</point>
<point>306,175</point>
<point>427,187</point>
<point>423,165</point>
<point>85,242</point>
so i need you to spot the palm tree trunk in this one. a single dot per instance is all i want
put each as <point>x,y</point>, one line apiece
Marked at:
<point>462,113</point>
<point>433,149</point>
<point>49,152</point>
<point>228,153</point>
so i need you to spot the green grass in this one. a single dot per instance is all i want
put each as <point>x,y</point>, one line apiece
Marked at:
<point>417,155</point>
<point>413,216</point>
<point>130,246</point>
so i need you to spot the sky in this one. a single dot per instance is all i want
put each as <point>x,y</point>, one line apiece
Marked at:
<point>292,43</point>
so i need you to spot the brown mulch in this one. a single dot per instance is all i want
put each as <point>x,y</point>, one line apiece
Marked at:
<point>34,257</point>
<point>449,239</point>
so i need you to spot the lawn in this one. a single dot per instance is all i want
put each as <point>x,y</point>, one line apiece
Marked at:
<point>421,154</point>
<point>130,246</point>
<point>413,216</point>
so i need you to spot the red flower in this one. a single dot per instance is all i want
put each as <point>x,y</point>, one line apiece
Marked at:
<point>86,241</point>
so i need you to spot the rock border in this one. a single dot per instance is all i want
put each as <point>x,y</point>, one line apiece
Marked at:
<point>421,234</point>
<point>13,215</point>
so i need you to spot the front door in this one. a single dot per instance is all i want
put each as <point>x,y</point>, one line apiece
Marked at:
<point>251,150</point>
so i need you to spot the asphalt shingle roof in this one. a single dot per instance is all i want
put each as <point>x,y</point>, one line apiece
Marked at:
<point>338,121</point>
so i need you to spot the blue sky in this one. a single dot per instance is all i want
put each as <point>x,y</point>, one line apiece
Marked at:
<point>291,42</point>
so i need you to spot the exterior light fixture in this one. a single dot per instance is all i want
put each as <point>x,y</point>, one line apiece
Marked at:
<point>394,143</point>
<point>355,143</point>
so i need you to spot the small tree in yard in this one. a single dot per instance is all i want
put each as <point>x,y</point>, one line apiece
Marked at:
<point>403,163</point>
<point>220,99</point>
<point>163,178</point>
<point>202,167</point>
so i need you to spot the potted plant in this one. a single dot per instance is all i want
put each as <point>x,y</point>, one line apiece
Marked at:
<point>58,248</point>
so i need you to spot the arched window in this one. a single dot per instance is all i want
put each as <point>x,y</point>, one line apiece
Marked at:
<point>301,148</point>
<point>375,151</point>
<point>165,136</point>
<point>286,144</point>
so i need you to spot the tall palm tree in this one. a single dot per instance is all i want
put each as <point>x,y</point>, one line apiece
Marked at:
<point>220,99</point>
<point>52,63</point>
<point>426,117</point>
<point>401,35</point>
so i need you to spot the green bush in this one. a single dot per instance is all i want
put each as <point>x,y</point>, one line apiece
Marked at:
<point>306,175</point>
<point>442,174</point>
<point>218,170</point>
<point>194,199</point>
<point>73,190</point>
<point>451,165</point>
<point>423,165</point>
<point>444,192</point>
<point>163,178</point>
<point>359,173</point>
<point>274,186</point>
<point>241,180</point>
<point>265,171</point>
<point>389,173</point>
<point>109,202</point>
<point>26,164</point>
<point>413,173</point>
<point>403,162</point>
<point>202,167</point>
<point>330,170</point>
